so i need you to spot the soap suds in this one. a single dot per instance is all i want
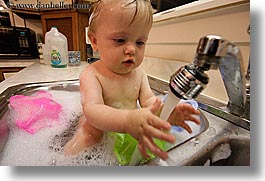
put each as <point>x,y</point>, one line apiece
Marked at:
<point>45,147</point>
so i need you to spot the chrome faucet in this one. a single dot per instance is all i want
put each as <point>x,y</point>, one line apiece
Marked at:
<point>214,52</point>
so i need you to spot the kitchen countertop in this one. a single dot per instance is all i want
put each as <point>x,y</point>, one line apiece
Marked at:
<point>17,62</point>
<point>156,67</point>
<point>36,72</point>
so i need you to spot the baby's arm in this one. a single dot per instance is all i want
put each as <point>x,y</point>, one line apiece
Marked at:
<point>142,123</point>
<point>147,97</point>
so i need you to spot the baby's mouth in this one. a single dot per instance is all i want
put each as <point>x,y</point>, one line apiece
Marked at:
<point>128,62</point>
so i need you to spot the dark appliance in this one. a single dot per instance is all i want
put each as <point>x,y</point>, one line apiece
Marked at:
<point>4,19</point>
<point>18,42</point>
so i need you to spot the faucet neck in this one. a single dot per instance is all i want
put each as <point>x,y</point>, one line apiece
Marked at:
<point>214,52</point>
<point>231,69</point>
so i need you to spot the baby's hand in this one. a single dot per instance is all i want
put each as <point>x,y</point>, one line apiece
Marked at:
<point>182,113</point>
<point>144,125</point>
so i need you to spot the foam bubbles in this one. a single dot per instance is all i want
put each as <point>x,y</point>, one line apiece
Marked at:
<point>45,147</point>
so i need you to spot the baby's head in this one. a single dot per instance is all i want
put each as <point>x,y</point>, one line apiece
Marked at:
<point>118,30</point>
<point>142,9</point>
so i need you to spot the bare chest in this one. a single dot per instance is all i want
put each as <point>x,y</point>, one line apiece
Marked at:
<point>121,93</point>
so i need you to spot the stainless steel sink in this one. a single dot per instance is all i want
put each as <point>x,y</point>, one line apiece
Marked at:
<point>204,149</point>
<point>66,87</point>
<point>226,142</point>
<point>200,149</point>
<point>224,152</point>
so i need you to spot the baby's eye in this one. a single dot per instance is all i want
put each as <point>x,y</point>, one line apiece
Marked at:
<point>140,43</point>
<point>119,40</point>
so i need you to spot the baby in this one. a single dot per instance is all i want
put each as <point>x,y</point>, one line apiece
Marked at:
<point>111,86</point>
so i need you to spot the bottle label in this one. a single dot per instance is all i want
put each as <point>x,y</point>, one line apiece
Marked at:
<point>56,58</point>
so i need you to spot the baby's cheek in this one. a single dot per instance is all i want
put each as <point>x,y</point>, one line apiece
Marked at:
<point>82,99</point>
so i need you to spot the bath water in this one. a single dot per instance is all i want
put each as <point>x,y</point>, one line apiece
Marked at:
<point>180,134</point>
<point>45,147</point>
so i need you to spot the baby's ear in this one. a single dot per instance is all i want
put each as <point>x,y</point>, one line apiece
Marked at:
<point>93,41</point>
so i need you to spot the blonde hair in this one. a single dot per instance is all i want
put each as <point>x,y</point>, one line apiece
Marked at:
<point>143,8</point>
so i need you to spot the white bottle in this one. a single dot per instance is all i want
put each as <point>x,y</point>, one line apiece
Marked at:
<point>57,47</point>
<point>46,54</point>
<point>46,47</point>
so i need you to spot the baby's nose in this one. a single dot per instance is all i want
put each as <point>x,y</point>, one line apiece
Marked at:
<point>129,50</point>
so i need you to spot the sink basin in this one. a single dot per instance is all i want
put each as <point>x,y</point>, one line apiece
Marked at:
<point>222,144</point>
<point>226,141</point>
<point>64,92</point>
<point>217,142</point>
<point>224,152</point>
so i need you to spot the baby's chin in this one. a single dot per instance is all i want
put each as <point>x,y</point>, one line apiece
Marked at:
<point>124,70</point>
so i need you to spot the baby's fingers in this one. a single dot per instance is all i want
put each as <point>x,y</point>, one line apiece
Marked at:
<point>193,119</point>
<point>159,134</point>
<point>196,112</point>
<point>187,108</point>
<point>156,107</point>
<point>158,123</point>
<point>149,143</point>
<point>142,149</point>
<point>186,127</point>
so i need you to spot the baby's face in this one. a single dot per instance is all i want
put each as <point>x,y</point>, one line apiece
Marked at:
<point>121,45</point>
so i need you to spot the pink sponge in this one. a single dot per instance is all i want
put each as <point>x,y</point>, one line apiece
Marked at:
<point>35,112</point>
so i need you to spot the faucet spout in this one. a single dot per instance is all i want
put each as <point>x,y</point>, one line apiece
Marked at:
<point>213,52</point>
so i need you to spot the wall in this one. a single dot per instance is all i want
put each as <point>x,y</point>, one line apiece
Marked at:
<point>175,35</point>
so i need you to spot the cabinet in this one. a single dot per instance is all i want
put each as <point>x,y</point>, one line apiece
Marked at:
<point>71,23</point>
<point>6,72</point>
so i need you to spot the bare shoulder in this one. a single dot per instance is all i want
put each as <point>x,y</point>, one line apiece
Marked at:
<point>141,72</point>
<point>89,83</point>
<point>88,72</point>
